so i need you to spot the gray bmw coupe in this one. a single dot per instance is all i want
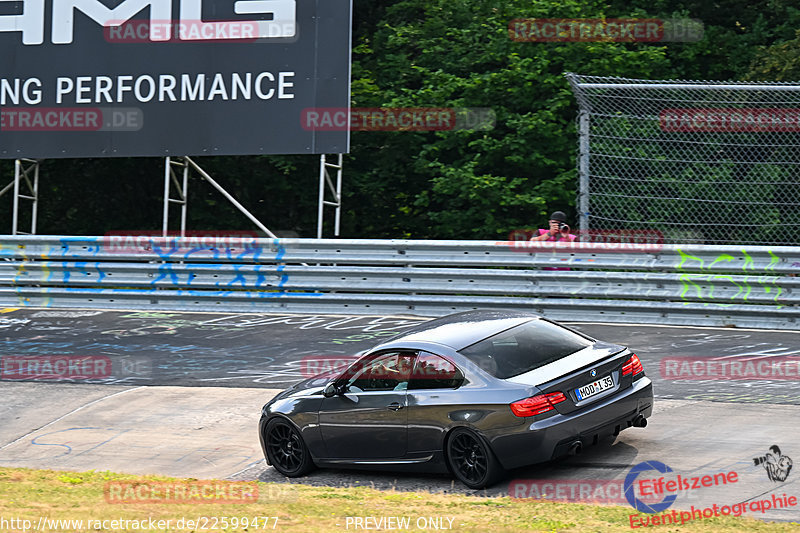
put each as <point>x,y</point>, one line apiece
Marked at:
<point>472,394</point>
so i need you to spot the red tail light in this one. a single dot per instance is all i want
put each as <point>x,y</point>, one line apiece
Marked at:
<point>632,366</point>
<point>536,405</point>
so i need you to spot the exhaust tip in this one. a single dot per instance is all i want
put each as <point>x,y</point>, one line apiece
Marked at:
<point>575,448</point>
<point>640,422</point>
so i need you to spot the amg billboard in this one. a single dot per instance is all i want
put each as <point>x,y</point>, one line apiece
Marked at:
<point>110,78</point>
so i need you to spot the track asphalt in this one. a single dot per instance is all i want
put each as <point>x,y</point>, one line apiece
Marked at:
<point>179,394</point>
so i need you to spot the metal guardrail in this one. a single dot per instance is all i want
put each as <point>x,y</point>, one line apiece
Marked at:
<point>659,284</point>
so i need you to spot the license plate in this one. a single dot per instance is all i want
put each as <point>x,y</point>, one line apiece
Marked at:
<point>587,391</point>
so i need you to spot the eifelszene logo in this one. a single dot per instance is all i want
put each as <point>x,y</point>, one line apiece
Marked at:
<point>630,480</point>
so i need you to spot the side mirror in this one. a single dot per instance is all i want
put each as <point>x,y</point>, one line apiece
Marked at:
<point>330,390</point>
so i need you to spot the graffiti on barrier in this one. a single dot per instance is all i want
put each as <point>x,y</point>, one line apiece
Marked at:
<point>252,272</point>
<point>700,286</point>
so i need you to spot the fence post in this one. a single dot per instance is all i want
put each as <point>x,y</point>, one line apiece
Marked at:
<point>583,172</point>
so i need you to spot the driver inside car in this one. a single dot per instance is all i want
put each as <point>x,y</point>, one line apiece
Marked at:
<point>385,373</point>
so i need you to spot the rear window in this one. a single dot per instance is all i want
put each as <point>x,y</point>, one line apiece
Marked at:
<point>524,348</point>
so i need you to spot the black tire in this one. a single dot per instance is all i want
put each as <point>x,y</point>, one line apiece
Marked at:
<point>286,450</point>
<point>471,460</point>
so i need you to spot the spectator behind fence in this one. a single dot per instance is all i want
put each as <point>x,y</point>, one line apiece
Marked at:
<point>559,230</point>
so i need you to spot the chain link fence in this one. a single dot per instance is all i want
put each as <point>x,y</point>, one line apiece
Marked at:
<point>701,162</point>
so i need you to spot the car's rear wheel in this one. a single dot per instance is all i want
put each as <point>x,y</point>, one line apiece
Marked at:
<point>471,460</point>
<point>286,450</point>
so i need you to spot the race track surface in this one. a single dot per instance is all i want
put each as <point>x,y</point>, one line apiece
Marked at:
<point>179,394</point>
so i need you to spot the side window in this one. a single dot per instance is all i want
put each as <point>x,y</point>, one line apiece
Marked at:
<point>388,371</point>
<point>435,372</point>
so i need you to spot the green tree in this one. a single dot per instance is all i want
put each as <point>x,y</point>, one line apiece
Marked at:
<point>458,53</point>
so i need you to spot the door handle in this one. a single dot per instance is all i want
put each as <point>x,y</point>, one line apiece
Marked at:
<point>395,406</point>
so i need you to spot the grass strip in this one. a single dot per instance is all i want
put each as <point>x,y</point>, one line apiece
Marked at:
<point>90,497</point>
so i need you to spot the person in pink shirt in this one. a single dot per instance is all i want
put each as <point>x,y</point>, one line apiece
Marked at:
<point>558,231</point>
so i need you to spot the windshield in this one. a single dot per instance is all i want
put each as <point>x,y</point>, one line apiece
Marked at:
<point>524,348</point>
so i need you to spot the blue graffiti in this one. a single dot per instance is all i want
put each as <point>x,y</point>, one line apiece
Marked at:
<point>77,267</point>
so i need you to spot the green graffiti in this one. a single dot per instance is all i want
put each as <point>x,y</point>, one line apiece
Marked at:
<point>687,280</point>
<point>773,261</point>
<point>684,257</point>
<point>692,281</point>
<point>747,261</point>
<point>720,258</point>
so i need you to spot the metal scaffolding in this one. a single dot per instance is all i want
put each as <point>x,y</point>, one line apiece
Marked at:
<point>170,177</point>
<point>177,171</point>
<point>325,183</point>
<point>182,185</point>
<point>25,186</point>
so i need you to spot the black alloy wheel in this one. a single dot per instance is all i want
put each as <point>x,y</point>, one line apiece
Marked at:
<point>471,460</point>
<point>286,450</point>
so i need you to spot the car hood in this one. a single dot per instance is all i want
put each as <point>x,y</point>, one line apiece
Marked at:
<point>317,382</point>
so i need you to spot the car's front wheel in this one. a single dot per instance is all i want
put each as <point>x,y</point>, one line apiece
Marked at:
<point>286,450</point>
<point>471,460</point>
